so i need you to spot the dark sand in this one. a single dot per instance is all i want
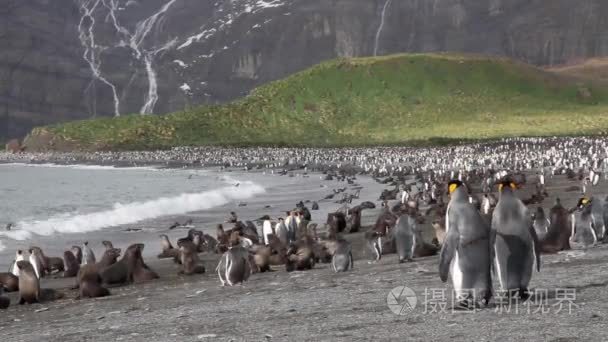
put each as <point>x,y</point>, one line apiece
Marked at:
<point>318,305</point>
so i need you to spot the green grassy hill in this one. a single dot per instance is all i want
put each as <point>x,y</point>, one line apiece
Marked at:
<point>364,101</point>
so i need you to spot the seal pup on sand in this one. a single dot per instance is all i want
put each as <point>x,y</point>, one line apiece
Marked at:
<point>9,282</point>
<point>190,262</point>
<point>342,260</point>
<point>71,264</point>
<point>89,283</point>
<point>515,243</point>
<point>299,257</point>
<point>88,257</point>
<point>465,254</point>
<point>29,286</point>
<point>168,251</point>
<point>234,266</point>
<point>5,302</point>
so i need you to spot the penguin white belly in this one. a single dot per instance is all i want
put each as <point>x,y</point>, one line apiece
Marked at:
<point>34,263</point>
<point>498,270</point>
<point>457,275</point>
<point>266,230</point>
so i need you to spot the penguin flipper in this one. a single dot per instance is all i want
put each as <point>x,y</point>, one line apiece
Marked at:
<point>536,246</point>
<point>447,254</point>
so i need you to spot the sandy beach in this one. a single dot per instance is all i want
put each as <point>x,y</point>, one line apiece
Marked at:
<point>314,305</point>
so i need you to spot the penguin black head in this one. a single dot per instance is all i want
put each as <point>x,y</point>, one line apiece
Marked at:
<point>453,185</point>
<point>583,201</point>
<point>506,184</point>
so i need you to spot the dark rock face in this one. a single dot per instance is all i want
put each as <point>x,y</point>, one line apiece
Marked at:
<point>72,59</point>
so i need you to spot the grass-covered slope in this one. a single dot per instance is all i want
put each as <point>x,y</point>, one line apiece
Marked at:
<point>364,101</point>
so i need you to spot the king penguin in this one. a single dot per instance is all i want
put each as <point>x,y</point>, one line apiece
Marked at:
<point>18,257</point>
<point>405,237</point>
<point>583,229</point>
<point>466,253</point>
<point>234,266</point>
<point>541,223</point>
<point>342,259</point>
<point>515,243</point>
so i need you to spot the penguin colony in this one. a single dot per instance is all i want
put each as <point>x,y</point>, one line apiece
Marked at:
<point>485,202</point>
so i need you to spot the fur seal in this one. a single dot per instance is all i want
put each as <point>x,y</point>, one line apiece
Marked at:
<point>342,259</point>
<point>77,251</point>
<point>107,244</point>
<point>4,301</point>
<point>89,283</point>
<point>168,251</point>
<point>515,243</point>
<point>71,265</point>
<point>9,282</point>
<point>140,271</point>
<point>465,254</point>
<point>29,284</point>
<point>234,266</point>
<point>190,262</point>
<point>88,257</point>
<point>299,257</point>
<point>121,272</point>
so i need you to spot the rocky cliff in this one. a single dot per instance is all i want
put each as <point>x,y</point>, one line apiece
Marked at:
<point>72,59</point>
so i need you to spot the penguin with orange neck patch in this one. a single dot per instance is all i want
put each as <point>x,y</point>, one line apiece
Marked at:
<point>515,242</point>
<point>466,254</point>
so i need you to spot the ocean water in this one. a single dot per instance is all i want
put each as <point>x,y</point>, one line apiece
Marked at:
<point>51,199</point>
<point>55,207</point>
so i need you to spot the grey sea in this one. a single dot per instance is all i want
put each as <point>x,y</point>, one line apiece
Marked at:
<point>55,206</point>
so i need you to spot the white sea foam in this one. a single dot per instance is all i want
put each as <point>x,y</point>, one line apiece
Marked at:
<point>82,166</point>
<point>134,212</point>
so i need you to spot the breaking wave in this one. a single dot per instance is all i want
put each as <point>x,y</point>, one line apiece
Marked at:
<point>133,212</point>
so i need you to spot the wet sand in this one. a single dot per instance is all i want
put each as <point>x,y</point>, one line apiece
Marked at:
<point>317,305</point>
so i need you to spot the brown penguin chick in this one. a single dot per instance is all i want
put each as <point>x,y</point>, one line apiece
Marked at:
<point>190,262</point>
<point>9,282</point>
<point>440,233</point>
<point>77,251</point>
<point>72,265</point>
<point>299,258</point>
<point>89,283</point>
<point>558,235</point>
